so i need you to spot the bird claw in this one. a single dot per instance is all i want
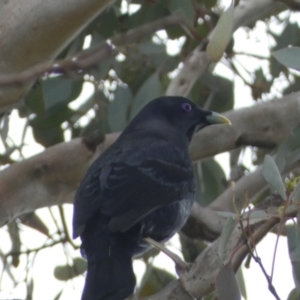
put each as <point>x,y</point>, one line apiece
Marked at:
<point>181,266</point>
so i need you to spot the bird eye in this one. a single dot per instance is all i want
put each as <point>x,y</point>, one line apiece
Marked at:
<point>186,106</point>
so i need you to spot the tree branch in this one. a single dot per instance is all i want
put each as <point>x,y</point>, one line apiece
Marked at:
<point>200,279</point>
<point>89,58</point>
<point>51,26</point>
<point>52,177</point>
<point>197,62</point>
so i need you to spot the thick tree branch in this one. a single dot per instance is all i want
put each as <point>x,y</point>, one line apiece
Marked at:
<point>200,279</point>
<point>265,124</point>
<point>88,58</point>
<point>46,179</point>
<point>52,177</point>
<point>25,41</point>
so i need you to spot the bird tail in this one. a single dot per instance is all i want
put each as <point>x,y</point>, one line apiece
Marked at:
<point>110,274</point>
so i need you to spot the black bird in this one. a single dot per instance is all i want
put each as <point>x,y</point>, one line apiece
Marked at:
<point>142,186</point>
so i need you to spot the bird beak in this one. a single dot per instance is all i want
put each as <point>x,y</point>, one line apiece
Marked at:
<point>216,118</point>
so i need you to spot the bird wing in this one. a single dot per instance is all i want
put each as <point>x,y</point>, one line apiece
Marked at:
<point>132,192</point>
<point>127,191</point>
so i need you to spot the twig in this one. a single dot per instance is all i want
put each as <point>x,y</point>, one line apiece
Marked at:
<point>88,58</point>
<point>257,259</point>
<point>64,224</point>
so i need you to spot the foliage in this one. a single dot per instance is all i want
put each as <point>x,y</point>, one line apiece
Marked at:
<point>142,70</point>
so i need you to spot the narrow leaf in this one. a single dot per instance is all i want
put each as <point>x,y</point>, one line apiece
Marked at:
<point>226,284</point>
<point>289,57</point>
<point>295,195</point>
<point>255,214</point>
<point>288,150</point>
<point>118,109</point>
<point>185,8</point>
<point>66,272</point>
<point>225,234</point>
<point>222,34</point>
<point>293,238</point>
<point>241,282</point>
<point>4,126</point>
<point>149,90</point>
<point>293,295</point>
<point>271,174</point>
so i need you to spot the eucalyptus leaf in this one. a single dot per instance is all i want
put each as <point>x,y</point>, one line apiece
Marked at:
<point>58,92</point>
<point>57,297</point>
<point>293,295</point>
<point>222,34</point>
<point>66,272</point>
<point>295,195</point>
<point>149,90</point>
<point>35,101</point>
<point>226,284</point>
<point>118,109</point>
<point>288,150</point>
<point>185,8</point>
<point>241,282</point>
<point>4,122</point>
<point>289,57</point>
<point>226,214</point>
<point>210,178</point>
<point>255,214</point>
<point>271,174</point>
<point>293,239</point>
<point>224,237</point>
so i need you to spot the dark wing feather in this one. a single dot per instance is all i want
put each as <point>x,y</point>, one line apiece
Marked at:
<point>87,199</point>
<point>126,184</point>
<point>129,193</point>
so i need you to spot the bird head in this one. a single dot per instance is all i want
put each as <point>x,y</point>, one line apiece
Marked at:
<point>178,113</point>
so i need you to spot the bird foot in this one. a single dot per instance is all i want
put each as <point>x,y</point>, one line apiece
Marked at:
<point>180,265</point>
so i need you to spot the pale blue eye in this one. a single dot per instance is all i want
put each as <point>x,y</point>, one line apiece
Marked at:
<point>186,106</point>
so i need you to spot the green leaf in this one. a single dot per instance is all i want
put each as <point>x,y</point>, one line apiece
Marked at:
<point>149,90</point>
<point>34,99</point>
<point>288,150</point>
<point>48,136</point>
<point>226,214</point>
<point>101,71</point>
<point>209,181</point>
<point>67,272</point>
<point>255,214</point>
<point>185,8</point>
<point>241,282</point>
<point>57,297</point>
<point>225,235</point>
<point>58,92</point>
<point>293,295</point>
<point>226,285</point>
<point>289,57</point>
<point>4,126</point>
<point>289,36</point>
<point>295,195</point>
<point>118,109</point>
<point>293,238</point>
<point>221,34</point>
<point>47,130</point>
<point>220,94</point>
<point>148,12</point>
<point>271,174</point>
